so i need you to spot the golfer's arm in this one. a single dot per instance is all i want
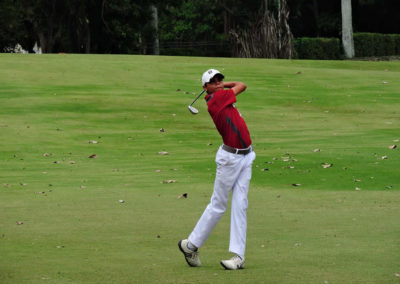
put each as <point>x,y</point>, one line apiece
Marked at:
<point>237,87</point>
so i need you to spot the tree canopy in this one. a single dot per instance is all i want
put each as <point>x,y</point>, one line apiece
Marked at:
<point>125,26</point>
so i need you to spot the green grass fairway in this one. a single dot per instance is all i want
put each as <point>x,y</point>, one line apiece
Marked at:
<point>323,202</point>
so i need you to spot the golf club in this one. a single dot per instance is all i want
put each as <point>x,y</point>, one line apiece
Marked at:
<point>192,109</point>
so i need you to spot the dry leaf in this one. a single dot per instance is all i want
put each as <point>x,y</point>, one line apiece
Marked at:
<point>357,188</point>
<point>121,201</point>
<point>72,162</point>
<point>94,156</point>
<point>163,153</point>
<point>397,274</point>
<point>393,147</point>
<point>299,72</point>
<point>325,166</point>
<point>357,180</point>
<point>169,181</point>
<point>59,247</point>
<point>158,171</point>
<point>316,150</point>
<point>19,222</point>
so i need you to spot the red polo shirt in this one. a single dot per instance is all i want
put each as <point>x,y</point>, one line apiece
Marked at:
<point>230,124</point>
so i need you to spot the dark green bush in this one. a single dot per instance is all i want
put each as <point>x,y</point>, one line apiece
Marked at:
<point>318,48</point>
<point>371,44</point>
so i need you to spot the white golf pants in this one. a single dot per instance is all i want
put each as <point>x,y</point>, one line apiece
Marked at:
<point>233,173</point>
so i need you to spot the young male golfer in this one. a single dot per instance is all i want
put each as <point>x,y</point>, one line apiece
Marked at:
<point>234,161</point>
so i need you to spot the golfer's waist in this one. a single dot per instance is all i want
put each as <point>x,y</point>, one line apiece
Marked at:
<point>244,151</point>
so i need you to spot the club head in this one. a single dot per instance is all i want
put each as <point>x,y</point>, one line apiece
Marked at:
<point>193,110</point>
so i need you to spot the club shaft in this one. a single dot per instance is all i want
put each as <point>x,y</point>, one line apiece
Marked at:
<point>197,97</point>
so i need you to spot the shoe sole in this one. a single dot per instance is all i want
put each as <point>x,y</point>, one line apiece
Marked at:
<point>227,268</point>
<point>184,253</point>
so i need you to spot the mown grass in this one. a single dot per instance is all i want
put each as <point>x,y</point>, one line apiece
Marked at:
<point>339,225</point>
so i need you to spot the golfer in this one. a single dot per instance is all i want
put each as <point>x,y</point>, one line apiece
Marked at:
<point>234,161</point>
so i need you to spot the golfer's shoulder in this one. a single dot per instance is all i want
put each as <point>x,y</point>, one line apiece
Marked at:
<point>224,93</point>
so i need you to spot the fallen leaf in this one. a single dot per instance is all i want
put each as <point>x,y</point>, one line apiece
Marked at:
<point>163,153</point>
<point>82,186</point>
<point>393,147</point>
<point>94,156</point>
<point>325,166</point>
<point>158,171</point>
<point>47,155</point>
<point>397,274</point>
<point>357,180</point>
<point>316,150</point>
<point>169,181</point>
<point>121,201</point>
<point>299,72</point>
<point>59,247</point>
<point>184,195</point>
<point>19,222</point>
<point>72,162</point>
<point>357,188</point>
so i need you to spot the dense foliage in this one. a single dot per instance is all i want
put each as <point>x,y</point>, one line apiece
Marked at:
<point>190,27</point>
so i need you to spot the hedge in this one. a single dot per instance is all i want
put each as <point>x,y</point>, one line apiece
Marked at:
<point>318,48</point>
<point>371,44</point>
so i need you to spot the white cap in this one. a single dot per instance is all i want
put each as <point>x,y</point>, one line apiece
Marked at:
<point>209,74</point>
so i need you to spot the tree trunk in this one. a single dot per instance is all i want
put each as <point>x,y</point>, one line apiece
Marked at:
<point>154,24</point>
<point>347,29</point>
<point>316,16</point>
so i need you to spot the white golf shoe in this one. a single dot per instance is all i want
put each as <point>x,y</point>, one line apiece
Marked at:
<point>234,263</point>
<point>191,256</point>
